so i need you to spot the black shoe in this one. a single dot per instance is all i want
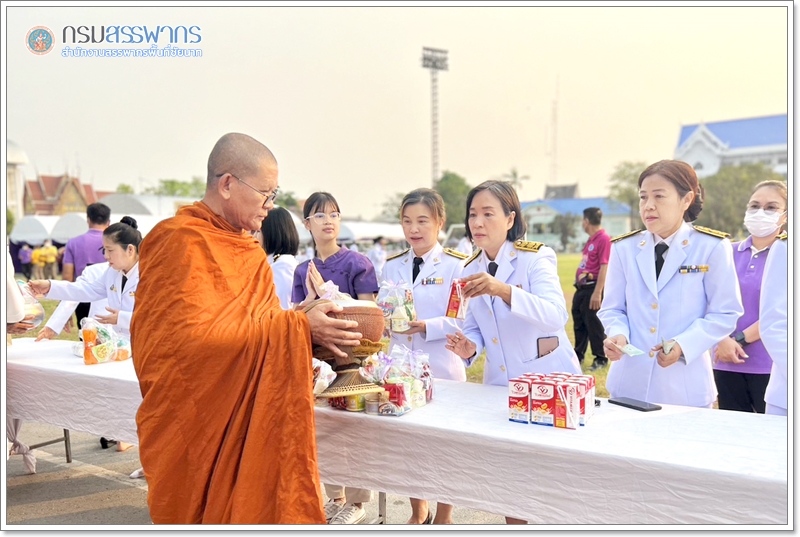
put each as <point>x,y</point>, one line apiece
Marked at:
<point>598,365</point>
<point>428,519</point>
<point>105,443</point>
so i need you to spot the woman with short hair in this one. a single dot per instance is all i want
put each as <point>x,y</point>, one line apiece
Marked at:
<point>671,283</point>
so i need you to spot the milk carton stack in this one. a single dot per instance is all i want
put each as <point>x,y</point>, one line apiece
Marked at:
<point>555,399</point>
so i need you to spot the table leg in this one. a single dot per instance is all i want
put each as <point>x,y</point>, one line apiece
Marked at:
<point>382,508</point>
<point>67,445</point>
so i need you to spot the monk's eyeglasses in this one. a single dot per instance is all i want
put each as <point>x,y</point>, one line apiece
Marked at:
<point>269,197</point>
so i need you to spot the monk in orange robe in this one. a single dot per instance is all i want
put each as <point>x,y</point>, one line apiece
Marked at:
<point>226,425</point>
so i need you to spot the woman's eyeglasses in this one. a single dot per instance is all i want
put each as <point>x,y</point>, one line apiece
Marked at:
<point>769,211</point>
<point>322,217</point>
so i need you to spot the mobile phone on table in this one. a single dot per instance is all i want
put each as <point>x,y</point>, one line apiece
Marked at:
<point>634,404</point>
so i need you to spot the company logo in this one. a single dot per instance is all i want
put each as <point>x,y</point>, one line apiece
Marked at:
<point>40,40</point>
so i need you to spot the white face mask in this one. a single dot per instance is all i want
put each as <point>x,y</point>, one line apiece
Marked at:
<point>761,224</point>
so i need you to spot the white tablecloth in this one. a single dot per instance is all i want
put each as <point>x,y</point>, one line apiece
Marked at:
<point>679,465</point>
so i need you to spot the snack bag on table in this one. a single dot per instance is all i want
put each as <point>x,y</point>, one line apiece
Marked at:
<point>101,344</point>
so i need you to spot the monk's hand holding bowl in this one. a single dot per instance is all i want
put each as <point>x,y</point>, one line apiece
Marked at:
<point>329,332</point>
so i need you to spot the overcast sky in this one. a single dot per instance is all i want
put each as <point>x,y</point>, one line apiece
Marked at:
<point>340,96</point>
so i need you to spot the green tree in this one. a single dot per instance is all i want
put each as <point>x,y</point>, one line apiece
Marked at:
<point>563,225</point>
<point>195,188</point>
<point>123,188</point>
<point>727,193</point>
<point>390,209</point>
<point>515,178</point>
<point>287,201</point>
<point>624,185</point>
<point>454,190</point>
<point>9,221</point>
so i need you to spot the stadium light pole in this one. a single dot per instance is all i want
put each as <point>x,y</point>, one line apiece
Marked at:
<point>435,60</point>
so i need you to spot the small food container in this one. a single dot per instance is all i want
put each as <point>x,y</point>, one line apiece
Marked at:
<point>355,403</point>
<point>371,402</point>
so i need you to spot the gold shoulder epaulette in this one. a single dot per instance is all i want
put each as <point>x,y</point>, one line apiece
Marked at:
<point>455,253</point>
<point>712,232</point>
<point>474,256</point>
<point>404,252</point>
<point>783,236</point>
<point>528,246</point>
<point>626,235</point>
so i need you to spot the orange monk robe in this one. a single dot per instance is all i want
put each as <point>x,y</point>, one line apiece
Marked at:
<point>226,424</point>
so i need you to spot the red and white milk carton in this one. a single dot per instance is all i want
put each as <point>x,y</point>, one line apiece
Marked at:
<point>568,407</point>
<point>543,401</point>
<point>587,399</point>
<point>519,400</point>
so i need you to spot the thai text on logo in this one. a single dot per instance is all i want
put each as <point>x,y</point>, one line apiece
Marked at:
<point>40,40</point>
<point>131,35</point>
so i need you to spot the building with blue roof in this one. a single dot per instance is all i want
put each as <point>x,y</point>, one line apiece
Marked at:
<point>709,146</point>
<point>539,215</point>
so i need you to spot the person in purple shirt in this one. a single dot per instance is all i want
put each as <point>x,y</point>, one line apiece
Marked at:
<point>741,363</point>
<point>85,250</point>
<point>351,271</point>
<point>25,258</point>
<point>354,274</point>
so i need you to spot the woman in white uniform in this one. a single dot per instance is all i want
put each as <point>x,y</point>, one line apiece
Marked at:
<point>673,283</point>
<point>774,325</point>
<point>281,241</point>
<point>516,309</point>
<point>63,313</point>
<point>118,284</point>
<point>430,270</point>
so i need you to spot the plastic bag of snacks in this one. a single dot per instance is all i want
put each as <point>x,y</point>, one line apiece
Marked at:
<point>330,291</point>
<point>457,304</point>
<point>101,344</point>
<point>397,302</point>
<point>323,375</point>
<point>375,368</point>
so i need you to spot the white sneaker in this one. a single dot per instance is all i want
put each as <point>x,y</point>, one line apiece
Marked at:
<point>350,515</point>
<point>332,509</point>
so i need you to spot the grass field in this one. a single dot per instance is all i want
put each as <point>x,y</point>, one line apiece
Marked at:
<point>567,265</point>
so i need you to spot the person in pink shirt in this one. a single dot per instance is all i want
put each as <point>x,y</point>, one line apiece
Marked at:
<point>590,279</point>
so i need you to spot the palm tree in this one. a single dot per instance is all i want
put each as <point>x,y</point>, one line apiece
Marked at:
<point>515,178</point>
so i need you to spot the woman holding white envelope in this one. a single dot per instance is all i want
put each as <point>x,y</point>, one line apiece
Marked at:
<point>671,295</point>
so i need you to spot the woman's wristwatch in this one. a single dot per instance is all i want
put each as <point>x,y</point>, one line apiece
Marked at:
<point>738,337</point>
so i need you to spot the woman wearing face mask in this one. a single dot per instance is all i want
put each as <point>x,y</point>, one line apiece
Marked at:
<point>673,283</point>
<point>741,362</point>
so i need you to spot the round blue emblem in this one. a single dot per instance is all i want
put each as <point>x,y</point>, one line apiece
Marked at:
<point>40,40</point>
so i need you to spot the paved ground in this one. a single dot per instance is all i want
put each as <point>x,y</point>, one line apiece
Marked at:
<point>96,488</point>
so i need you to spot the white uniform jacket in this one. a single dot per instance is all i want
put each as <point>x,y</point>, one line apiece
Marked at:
<point>431,293</point>
<point>696,301</point>
<point>774,321</point>
<point>510,334</point>
<point>66,308</point>
<point>106,287</point>
<point>283,266</point>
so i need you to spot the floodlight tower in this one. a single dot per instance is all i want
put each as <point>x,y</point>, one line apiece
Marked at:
<point>435,60</point>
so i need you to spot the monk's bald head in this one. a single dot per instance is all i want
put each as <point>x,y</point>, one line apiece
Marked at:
<point>240,155</point>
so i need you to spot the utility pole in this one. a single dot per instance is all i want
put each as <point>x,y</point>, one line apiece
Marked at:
<point>435,60</point>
